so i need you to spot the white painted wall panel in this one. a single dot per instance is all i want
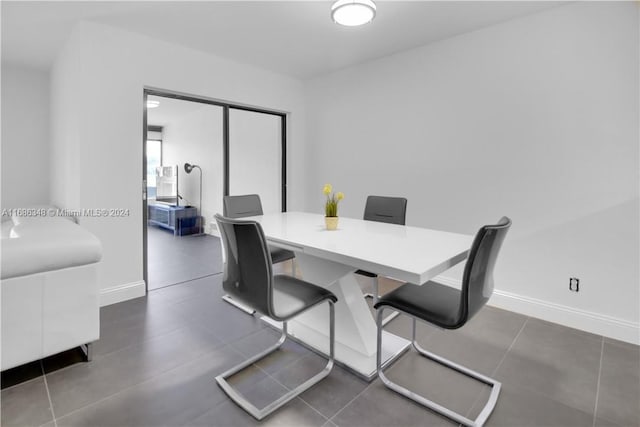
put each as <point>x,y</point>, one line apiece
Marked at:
<point>255,157</point>
<point>26,136</point>
<point>114,66</point>
<point>536,118</point>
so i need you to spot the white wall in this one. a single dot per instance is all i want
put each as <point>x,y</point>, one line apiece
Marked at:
<point>196,138</point>
<point>255,157</point>
<point>25,136</point>
<point>67,96</point>
<point>535,118</point>
<point>110,67</point>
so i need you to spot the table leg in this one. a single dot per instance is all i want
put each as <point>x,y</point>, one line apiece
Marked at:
<point>355,326</point>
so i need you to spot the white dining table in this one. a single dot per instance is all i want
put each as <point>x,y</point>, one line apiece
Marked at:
<point>329,259</point>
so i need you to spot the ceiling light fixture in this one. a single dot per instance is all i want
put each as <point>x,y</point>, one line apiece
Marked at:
<point>152,103</point>
<point>353,12</point>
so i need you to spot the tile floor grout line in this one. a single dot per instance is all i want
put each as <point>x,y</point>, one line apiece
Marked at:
<point>595,405</point>
<point>541,394</point>
<point>170,330</point>
<point>268,375</point>
<point>20,383</point>
<point>46,387</point>
<point>313,408</point>
<point>352,400</point>
<point>140,383</point>
<point>98,357</point>
<point>493,373</point>
<point>307,403</point>
<point>299,395</point>
<point>304,401</point>
<point>301,399</point>
<point>234,350</point>
<point>184,281</point>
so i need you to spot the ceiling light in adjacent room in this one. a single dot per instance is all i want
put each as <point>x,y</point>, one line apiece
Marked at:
<point>353,12</point>
<point>152,103</point>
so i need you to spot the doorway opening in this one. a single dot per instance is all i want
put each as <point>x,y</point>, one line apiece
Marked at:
<point>195,151</point>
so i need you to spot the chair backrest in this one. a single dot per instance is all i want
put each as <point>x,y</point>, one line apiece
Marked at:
<point>477,280</point>
<point>248,276</point>
<point>392,210</point>
<point>242,206</point>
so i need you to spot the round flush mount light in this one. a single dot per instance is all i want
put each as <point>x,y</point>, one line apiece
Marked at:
<point>152,103</point>
<point>352,13</point>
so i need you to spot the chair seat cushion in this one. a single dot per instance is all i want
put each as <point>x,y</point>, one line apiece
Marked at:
<point>291,296</point>
<point>432,302</point>
<point>280,255</point>
<point>366,273</point>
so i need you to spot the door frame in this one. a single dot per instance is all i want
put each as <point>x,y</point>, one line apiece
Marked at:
<point>226,106</point>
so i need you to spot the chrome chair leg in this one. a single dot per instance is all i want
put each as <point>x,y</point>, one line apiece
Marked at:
<point>486,411</point>
<point>236,304</point>
<point>375,295</point>
<point>257,413</point>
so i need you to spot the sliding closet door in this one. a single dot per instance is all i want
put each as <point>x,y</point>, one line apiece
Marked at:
<point>255,157</point>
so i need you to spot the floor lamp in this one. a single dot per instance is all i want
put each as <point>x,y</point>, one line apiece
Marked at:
<point>188,168</point>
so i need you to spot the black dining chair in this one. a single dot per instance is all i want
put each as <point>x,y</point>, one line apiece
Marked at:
<point>449,308</point>
<point>248,277</point>
<point>250,205</point>
<point>392,210</point>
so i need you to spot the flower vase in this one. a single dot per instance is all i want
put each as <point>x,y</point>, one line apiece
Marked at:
<point>331,222</point>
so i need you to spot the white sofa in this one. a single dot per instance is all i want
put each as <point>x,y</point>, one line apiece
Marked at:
<point>49,289</point>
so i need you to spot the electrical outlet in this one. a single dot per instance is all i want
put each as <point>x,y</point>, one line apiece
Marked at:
<point>574,284</point>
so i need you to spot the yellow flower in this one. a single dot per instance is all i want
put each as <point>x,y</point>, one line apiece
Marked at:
<point>331,204</point>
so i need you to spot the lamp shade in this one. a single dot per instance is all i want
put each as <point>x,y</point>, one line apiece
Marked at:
<point>353,12</point>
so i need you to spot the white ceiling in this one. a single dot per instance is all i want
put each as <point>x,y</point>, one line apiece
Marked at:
<point>296,38</point>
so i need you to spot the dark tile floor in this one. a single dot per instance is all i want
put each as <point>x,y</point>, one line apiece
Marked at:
<point>176,259</point>
<point>157,358</point>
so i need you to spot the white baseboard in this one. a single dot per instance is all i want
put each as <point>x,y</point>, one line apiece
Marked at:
<point>595,323</point>
<point>122,293</point>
